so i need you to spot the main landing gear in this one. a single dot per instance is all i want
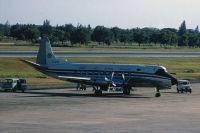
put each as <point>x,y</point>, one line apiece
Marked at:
<point>97,91</point>
<point>157,93</point>
<point>126,90</point>
<point>81,87</point>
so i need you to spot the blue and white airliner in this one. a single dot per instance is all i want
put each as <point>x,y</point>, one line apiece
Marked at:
<point>102,76</point>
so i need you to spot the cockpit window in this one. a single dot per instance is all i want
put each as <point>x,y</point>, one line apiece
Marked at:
<point>161,72</point>
<point>164,68</point>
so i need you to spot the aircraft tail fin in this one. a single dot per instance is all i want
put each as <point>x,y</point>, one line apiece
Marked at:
<point>45,54</point>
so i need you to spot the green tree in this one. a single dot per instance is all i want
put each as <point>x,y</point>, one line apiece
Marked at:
<point>193,40</point>
<point>102,34</point>
<point>1,30</point>
<point>46,29</point>
<point>7,29</point>
<point>80,35</point>
<point>182,29</point>
<point>58,35</point>
<point>31,32</point>
<point>17,31</point>
<point>155,37</point>
<point>197,29</point>
<point>168,36</point>
<point>140,36</point>
<point>125,36</point>
<point>182,41</point>
<point>116,33</point>
<point>68,29</point>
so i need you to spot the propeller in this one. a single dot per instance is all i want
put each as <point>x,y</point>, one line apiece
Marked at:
<point>110,81</point>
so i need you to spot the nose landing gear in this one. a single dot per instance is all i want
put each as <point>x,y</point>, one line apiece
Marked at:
<point>157,93</point>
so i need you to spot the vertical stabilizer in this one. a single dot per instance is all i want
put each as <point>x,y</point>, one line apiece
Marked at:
<point>45,54</point>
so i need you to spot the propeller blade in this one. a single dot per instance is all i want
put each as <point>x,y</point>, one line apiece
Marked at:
<point>112,75</point>
<point>123,76</point>
<point>113,84</point>
<point>106,79</point>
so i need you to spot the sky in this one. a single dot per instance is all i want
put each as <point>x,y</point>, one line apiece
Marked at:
<point>109,13</point>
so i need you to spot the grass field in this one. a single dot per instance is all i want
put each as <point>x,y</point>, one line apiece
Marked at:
<point>185,68</point>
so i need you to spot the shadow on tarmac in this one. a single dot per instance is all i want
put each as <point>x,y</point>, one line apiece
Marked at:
<point>104,95</point>
<point>170,92</point>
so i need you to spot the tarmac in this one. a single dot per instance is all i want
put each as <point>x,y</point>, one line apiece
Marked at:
<point>71,111</point>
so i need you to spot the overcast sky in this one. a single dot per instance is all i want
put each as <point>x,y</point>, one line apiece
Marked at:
<point>110,13</point>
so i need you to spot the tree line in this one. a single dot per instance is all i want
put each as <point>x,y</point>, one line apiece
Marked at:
<point>69,34</point>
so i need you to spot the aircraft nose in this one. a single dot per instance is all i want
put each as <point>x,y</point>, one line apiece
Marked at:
<point>174,80</point>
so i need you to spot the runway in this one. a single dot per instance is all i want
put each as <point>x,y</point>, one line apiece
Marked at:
<point>71,111</point>
<point>102,54</point>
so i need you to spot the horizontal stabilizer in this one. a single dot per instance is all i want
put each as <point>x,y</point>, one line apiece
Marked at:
<point>33,64</point>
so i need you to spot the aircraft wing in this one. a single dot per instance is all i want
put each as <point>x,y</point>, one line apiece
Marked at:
<point>83,79</point>
<point>75,78</point>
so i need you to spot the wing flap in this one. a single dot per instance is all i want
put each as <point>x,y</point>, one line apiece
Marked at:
<point>75,78</point>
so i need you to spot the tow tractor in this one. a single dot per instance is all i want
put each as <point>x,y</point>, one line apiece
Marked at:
<point>13,84</point>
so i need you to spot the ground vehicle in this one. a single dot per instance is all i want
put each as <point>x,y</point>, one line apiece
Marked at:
<point>13,84</point>
<point>184,86</point>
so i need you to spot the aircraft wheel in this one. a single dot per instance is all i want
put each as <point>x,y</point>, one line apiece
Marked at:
<point>157,94</point>
<point>14,89</point>
<point>98,92</point>
<point>177,90</point>
<point>126,91</point>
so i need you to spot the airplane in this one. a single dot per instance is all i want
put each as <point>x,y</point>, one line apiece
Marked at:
<point>102,76</point>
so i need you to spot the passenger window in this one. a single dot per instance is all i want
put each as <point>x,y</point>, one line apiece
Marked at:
<point>126,74</point>
<point>107,73</point>
<point>101,73</point>
<point>96,73</point>
<point>90,73</point>
<point>132,74</point>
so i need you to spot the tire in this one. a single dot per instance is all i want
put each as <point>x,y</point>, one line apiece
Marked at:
<point>14,89</point>
<point>157,95</point>
<point>178,90</point>
<point>181,90</point>
<point>98,92</point>
<point>126,91</point>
